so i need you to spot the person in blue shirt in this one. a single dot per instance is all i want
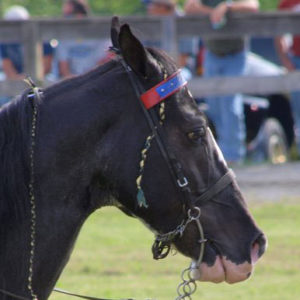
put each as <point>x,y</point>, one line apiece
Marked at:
<point>225,57</point>
<point>13,53</point>
<point>187,46</point>
<point>79,56</point>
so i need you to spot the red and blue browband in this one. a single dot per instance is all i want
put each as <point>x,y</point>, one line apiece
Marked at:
<point>163,90</point>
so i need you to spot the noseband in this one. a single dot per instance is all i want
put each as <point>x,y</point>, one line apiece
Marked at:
<point>147,100</point>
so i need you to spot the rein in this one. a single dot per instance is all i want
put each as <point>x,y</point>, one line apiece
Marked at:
<point>15,296</point>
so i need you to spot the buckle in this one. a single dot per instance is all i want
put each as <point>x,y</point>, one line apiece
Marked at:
<point>182,182</point>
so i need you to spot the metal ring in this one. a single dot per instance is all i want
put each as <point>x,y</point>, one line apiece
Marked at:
<point>197,215</point>
<point>189,288</point>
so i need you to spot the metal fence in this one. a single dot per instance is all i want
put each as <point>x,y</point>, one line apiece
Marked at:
<point>166,29</point>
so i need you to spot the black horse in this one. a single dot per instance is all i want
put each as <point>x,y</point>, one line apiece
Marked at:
<point>90,151</point>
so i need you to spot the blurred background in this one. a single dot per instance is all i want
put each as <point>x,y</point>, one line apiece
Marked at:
<point>99,7</point>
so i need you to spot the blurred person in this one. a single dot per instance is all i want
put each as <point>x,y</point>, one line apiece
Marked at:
<point>75,8</point>
<point>12,53</point>
<point>162,7</point>
<point>188,47</point>
<point>225,57</point>
<point>78,56</point>
<point>290,59</point>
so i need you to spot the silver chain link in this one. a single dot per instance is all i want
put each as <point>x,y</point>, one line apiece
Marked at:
<point>171,234</point>
<point>31,191</point>
<point>188,285</point>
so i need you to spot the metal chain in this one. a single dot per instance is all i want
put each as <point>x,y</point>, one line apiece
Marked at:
<point>162,243</point>
<point>169,236</point>
<point>31,189</point>
<point>188,285</point>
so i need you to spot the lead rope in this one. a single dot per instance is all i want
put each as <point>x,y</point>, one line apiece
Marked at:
<point>36,95</point>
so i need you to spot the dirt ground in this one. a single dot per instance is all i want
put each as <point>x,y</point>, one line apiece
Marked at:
<point>270,182</point>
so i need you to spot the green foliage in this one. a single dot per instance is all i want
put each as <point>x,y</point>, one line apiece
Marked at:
<point>120,7</point>
<point>113,259</point>
<point>268,4</point>
<point>35,7</point>
<point>99,7</point>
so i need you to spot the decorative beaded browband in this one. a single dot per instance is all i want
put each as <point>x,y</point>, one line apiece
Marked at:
<point>164,89</point>
<point>169,86</point>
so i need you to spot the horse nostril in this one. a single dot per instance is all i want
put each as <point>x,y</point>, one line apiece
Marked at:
<point>261,241</point>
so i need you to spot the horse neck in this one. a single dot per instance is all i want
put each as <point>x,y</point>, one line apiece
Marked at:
<point>55,237</point>
<point>13,208</point>
<point>64,188</point>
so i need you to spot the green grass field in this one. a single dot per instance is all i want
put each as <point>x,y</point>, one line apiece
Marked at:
<point>112,259</point>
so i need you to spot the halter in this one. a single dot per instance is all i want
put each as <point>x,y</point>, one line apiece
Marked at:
<point>162,244</point>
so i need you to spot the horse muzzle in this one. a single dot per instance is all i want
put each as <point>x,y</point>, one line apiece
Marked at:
<point>226,270</point>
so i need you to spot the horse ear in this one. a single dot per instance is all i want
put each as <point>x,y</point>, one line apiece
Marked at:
<point>133,52</point>
<point>114,32</point>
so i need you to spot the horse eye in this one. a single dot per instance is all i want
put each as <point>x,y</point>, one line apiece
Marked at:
<point>197,134</point>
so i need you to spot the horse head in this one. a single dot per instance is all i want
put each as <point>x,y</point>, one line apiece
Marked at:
<point>207,189</point>
<point>129,134</point>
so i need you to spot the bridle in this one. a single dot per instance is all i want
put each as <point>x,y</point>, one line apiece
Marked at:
<point>162,244</point>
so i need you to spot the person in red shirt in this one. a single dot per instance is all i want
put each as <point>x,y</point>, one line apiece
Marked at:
<point>290,58</point>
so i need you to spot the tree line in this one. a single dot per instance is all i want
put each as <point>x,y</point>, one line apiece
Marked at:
<point>52,8</point>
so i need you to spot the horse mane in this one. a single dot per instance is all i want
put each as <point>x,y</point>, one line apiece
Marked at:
<point>72,83</point>
<point>15,122</point>
<point>15,126</point>
<point>15,140</point>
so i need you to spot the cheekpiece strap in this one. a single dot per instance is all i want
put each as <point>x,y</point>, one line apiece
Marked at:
<point>163,90</point>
